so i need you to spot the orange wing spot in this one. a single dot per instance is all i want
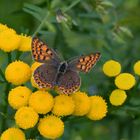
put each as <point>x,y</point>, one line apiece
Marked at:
<point>81,60</point>
<point>83,67</point>
<point>87,58</point>
<point>83,63</point>
<point>44,48</point>
<point>79,66</point>
<point>41,57</point>
<point>47,58</point>
<point>49,52</point>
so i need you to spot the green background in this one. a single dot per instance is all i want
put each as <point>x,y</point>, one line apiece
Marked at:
<point>92,26</point>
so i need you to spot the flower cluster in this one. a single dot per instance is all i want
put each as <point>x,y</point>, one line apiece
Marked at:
<point>37,107</point>
<point>10,40</point>
<point>123,81</point>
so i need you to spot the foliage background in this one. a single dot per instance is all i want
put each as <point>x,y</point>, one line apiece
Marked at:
<point>91,27</point>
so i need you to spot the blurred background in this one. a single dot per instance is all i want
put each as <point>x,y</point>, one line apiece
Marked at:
<point>85,26</point>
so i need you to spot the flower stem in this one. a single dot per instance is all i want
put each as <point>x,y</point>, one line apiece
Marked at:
<point>41,24</point>
<point>2,75</point>
<point>7,89</point>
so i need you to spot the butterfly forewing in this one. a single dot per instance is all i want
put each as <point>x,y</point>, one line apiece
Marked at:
<point>84,63</point>
<point>41,52</point>
<point>68,82</point>
<point>45,76</point>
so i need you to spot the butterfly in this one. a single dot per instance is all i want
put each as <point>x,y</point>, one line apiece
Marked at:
<point>56,73</point>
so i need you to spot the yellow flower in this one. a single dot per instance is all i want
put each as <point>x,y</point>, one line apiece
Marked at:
<point>9,40</point>
<point>26,117</point>
<point>63,105</point>
<point>137,67</point>
<point>111,68</point>
<point>25,43</point>
<point>117,97</point>
<point>41,101</point>
<point>18,72</point>
<point>13,134</point>
<point>34,84</point>
<point>19,96</point>
<point>82,103</point>
<point>4,27</point>
<point>125,81</point>
<point>51,127</point>
<point>35,65</point>
<point>98,108</point>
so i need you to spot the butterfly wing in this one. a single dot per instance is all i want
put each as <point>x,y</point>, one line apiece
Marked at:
<point>45,76</point>
<point>42,53</point>
<point>84,63</point>
<point>69,82</point>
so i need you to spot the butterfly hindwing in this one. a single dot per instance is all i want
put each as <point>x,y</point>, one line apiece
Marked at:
<point>41,52</point>
<point>45,76</point>
<point>84,63</point>
<point>68,82</point>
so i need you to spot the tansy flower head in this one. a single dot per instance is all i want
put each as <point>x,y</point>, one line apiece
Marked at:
<point>111,68</point>
<point>63,105</point>
<point>51,127</point>
<point>13,134</point>
<point>82,103</point>
<point>117,97</point>
<point>26,117</point>
<point>125,81</point>
<point>25,43</point>
<point>9,40</point>
<point>18,72</point>
<point>41,101</point>
<point>3,27</point>
<point>98,108</point>
<point>137,67</point>
<point>35,65</point>
<point>34,84</point>
<point>19,97</point>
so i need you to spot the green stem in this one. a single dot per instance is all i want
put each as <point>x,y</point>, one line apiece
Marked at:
<point>71,5</point>
<point>41,24</point>
<point>2,75</point>
<point>7,89</point>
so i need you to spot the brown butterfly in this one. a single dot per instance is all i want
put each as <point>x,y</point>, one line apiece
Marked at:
<point>54,72</point>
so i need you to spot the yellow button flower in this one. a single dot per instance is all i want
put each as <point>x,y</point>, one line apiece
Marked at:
<point>18,72</point>
<point>117,97</point>
<point>9,40</point>
<point>25,43</point>
<point>82,103</point>
<point>137,67</point>
<point>35,65</point>
<point>51,127</point>
<point>125,81</point>
<point>41,101</point>
<point>98,108</point>
<point>19,96</point>
<point>5,27</point>
<point>13,134</point>
<point>111,68</point>
<point>63,105</point>
<point>33,83</point>
<point>26,117</point>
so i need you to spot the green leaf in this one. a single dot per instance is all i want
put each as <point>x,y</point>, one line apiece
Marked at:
<point>107,3</point>
<point>117,38</point>
<point>71,5</point>
<point>126,31</point>
<point>35,11</point>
